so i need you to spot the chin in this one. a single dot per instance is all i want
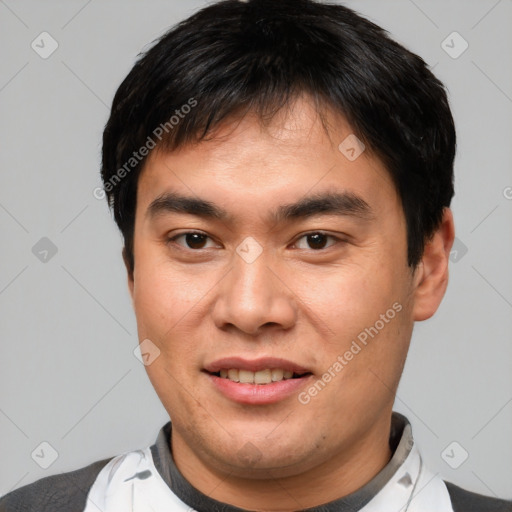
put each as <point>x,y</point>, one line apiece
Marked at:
<point>259,457</point>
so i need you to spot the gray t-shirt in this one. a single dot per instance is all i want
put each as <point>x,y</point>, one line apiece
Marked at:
<point>68,491</point>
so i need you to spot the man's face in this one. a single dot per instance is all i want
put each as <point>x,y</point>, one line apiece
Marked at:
<point>256,293</point>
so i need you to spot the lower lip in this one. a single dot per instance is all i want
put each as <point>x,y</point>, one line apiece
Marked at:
<point>256,394</point>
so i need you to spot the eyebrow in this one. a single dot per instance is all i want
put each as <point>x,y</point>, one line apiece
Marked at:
<point>326,203</point>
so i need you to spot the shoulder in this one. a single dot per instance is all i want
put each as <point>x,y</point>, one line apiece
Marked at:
<point>56,493</point>
<point>466,501</point>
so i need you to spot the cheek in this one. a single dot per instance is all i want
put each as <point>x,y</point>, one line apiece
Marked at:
<point>169,306</point>
<point>348,298</point>
<point>368,323</point>
<point>165,297</point>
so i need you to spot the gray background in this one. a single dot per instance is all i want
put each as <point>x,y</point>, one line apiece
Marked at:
<point>68,375</point>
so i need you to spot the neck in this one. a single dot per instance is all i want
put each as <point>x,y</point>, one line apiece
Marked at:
<point>340,475</point>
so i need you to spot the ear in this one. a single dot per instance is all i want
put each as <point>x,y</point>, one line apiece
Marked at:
<point>128,271</point>
<point>431,275</point>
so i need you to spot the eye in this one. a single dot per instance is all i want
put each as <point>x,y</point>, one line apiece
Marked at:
<point>193,240</point>
<point>317,240</point>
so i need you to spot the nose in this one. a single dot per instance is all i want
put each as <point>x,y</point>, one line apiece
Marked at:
<point>254,296</point>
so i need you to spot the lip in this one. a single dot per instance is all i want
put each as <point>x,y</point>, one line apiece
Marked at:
<point>257,394</point>
<point>254,365</point>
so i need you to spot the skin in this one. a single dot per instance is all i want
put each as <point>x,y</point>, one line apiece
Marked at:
<point>294,302</point>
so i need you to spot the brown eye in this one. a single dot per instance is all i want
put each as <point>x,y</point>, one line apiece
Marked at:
<point>192,239</point>
<point>316,241</point>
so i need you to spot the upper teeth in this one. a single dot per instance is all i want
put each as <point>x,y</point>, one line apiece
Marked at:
<point>259,377</point>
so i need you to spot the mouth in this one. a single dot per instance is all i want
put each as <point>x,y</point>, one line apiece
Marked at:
<point>260,377</point>
<point>261,381</point>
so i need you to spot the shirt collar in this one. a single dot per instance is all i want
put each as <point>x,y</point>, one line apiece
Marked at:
<point>400,442</point>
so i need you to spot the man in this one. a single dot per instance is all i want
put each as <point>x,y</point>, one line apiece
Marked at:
<point>281,172</point>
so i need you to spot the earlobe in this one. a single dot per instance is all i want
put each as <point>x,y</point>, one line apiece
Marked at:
<point>431,276</point>
<point>128,271</point>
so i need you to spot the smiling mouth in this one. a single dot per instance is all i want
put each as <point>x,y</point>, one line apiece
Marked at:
<point>263,377</point>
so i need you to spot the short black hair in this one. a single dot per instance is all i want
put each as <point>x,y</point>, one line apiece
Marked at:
<point>234,57</point>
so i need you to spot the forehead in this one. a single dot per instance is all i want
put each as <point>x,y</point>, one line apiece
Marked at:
<point>247,163</point>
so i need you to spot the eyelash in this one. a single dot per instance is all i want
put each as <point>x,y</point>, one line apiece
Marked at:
<point>173,239</point>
